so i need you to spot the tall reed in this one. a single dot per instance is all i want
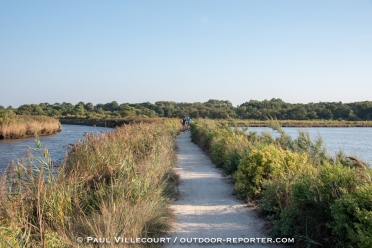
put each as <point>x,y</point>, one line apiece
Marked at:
<point>18,126</point>
<point>114,184</point>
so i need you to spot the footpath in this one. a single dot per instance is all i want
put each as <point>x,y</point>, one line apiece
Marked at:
<point>206,210</point>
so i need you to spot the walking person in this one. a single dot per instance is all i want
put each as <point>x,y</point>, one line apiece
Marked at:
<point>184,123</point>
<point>188,123</point>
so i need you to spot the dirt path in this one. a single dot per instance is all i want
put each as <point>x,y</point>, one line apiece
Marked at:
<point>206,208</point>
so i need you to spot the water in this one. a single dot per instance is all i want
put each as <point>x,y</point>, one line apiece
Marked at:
<point>56,144</point>
<point>354,141</point>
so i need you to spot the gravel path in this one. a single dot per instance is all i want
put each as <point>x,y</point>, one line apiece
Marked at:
<point>206,208</point>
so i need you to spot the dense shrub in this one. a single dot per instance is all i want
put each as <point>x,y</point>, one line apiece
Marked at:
<point>352,218</point>
<point>226,146</point>
<point>312,196</point>
<point>203,132</point>
<point>269,162</point>
<point>307,194</point>
<point>275,195</point>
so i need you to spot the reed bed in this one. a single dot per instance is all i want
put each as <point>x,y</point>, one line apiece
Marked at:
<point>306,194</point>
<point>114,184</point>
<point>112,122</point>
<point>297,123</point>
<point>20,126</point>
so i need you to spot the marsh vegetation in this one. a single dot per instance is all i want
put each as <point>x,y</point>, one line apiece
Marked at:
<point>114,184</point>
<point>304,192</point>
<point>14,126</point>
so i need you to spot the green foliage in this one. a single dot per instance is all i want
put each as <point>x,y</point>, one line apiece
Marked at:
<point>213,109</point>
<point>10,237</point>
<point>228,148</point>
<point>233,157</point>
<point>311,197</point>
<point>8,116</point>
<point>352,216</point>
<point>318,199</point>
<point>225,145</point>
<point>276,108</point>
<point>275,196</point>
<point>303,144</point>
<point>316,151</point>
<point>203,132</point>
<point>18,238</point>
<point>268,162</point>
<point>285,140</point>
<point>30,109</point>
<point>218,150</point>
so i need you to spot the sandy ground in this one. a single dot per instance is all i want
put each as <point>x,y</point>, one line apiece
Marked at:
<point>206,207</point>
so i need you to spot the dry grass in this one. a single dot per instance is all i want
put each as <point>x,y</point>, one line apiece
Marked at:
<point>116,184</point>
<point>24,126</point>
<point>113,122</point>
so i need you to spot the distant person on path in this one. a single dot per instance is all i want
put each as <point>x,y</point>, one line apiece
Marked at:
<point>188,123</point>
<point>184,123</point>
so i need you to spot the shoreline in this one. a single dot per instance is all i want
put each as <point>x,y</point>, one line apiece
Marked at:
<point>297,123</point>
<point>240,123</point>
<point>109,122</point>
<point>285,125</point>
<point>24,136</point>
<point>24,126</point>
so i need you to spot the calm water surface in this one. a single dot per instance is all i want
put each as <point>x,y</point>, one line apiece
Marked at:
<point>56,144</point>
<point>354,141</point>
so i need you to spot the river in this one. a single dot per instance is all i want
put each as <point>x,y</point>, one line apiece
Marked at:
<point>354,141</point>
<point>12,150</point>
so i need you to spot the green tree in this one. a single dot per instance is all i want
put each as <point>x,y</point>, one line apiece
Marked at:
<point>79,109</point>
<point>37,110</point>
<point>25,109</point>
<point>89,107</point>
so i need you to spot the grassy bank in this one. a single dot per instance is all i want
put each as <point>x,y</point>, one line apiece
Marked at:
<point>14,126</point>
<point>115,184</point>
<point>111,122</point>
<point>297,123</point>
<point>114,122</point>
<point>320,200</point>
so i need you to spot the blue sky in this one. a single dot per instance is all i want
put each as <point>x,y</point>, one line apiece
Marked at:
<point>185,51</point>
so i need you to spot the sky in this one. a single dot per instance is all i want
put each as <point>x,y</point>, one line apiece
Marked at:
<point>185,51</point>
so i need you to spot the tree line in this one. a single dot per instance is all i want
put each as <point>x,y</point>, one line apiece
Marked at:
<point>213,109</point>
